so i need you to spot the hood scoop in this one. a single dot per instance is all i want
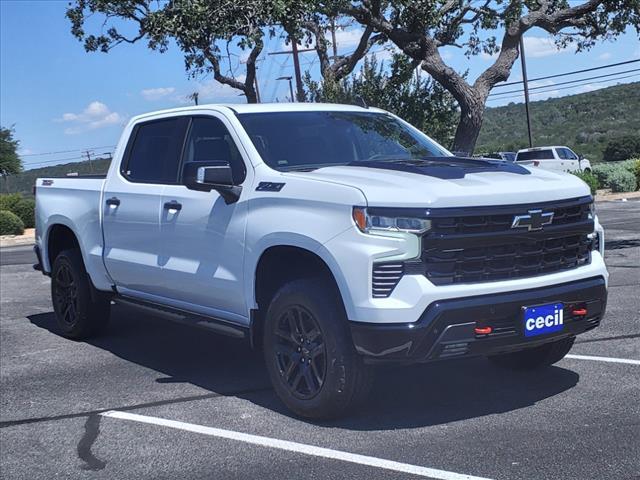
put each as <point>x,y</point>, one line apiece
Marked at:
<point>446,168</point>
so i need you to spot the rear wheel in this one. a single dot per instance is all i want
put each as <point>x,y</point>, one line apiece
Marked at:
<point>79,314</point>
<point>537,357</point>
<point>312,363</point>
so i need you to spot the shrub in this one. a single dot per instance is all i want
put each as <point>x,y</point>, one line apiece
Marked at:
<point>622,148</point>
<point>590,179</point>
<point>622,180</point>
<point>8,201</point>
<point>25,209</point>
<point>636,171</point>
<point>10,223</point>
<point>603,172</point>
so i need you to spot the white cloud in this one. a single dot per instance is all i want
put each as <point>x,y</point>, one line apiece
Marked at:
<point>211,91</point>
<point>95,115</point>
<point>534,47</point>
<point>604,56</point>
<point>152,94</point>
<point>538,47</point>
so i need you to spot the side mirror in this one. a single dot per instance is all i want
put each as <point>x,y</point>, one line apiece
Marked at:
<point>207,176</point>
<point>580,157</point>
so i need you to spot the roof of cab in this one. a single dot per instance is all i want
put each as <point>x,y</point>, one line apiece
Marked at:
<point>259,108</point>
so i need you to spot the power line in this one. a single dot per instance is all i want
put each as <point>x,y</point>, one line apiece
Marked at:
<point>568,82</point>
<point>569,73</point>
<point>551,88</point>
<point>69,159</point>
<point>66,151</point>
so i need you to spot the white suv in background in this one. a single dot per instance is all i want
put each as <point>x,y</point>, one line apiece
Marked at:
<point>560,159</point>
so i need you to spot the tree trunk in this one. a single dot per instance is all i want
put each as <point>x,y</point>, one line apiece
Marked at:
<point>250,93</point>
<point>468,130</point>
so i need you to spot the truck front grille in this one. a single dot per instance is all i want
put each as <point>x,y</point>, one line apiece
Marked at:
<point>510,260</point>
<point>483,247</point>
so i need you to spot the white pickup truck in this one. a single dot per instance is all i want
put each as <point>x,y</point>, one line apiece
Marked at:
<point>332,237</point>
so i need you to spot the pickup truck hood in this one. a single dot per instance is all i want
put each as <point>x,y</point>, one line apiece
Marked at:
<point>402,185</point>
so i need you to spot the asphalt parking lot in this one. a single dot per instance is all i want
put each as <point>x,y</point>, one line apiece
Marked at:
<point>152,399</point>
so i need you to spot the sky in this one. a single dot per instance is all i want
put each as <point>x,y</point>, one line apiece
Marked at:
<point>62,99</point>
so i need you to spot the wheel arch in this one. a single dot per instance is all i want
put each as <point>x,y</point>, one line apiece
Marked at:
<point>282,262</point>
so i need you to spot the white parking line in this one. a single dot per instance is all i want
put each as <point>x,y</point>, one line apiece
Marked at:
<point>296,447</point>
<point>604,359</point>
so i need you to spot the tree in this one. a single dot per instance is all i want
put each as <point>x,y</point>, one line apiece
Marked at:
<point>10,162</point>
<point>622,148</point>
<point>420,28</point>
<point>418,100</point>
<point>205,30</point>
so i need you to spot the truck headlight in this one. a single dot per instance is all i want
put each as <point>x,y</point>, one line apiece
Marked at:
<point>368,222</point>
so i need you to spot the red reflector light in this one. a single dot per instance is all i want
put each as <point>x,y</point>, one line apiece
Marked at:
<point>483,330</point>
<point>579,311</point>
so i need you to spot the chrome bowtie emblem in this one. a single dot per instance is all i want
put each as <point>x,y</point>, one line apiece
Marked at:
<point>534,220</point>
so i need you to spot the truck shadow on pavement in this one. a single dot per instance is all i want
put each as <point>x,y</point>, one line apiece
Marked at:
<point>402,397</point>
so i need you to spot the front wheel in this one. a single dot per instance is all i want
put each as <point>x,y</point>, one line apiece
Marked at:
<point>310,356</point>
<point>536,357</point>
<point>79,313</point>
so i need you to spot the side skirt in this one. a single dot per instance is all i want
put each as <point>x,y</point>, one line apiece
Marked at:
<point>188,318</point>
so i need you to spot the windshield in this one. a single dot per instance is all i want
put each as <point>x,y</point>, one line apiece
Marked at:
<point>309,140</point>
<point>535,155</point>
<point>509,156</point>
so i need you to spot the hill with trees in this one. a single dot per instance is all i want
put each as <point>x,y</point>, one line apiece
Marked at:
<point>24,182</point>
<point>585,122</point>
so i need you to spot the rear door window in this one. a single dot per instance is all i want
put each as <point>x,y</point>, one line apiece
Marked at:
<point>154,151</point>
<point>536,155</point>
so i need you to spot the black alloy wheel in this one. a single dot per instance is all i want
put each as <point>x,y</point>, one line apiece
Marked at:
<point>300,352</point>
<point>65,295</point>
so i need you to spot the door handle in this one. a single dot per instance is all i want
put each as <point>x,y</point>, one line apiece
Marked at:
<point>173,205</point>
<point>113,201</point>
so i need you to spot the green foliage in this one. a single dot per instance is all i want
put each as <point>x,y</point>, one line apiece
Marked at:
<point>584,122</point>
<point>618,173</point>
<point>590,179</point>
<point>418,100</point>
<point>10,223</point>
<point>25,209</point>
<point>7,202</point>
<point>622,180</point>
<point>622,148</point>
<point>636,170</point>
<point>24,182</point>
<point>10,162</point>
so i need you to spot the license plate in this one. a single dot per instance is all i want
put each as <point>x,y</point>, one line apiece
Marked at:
<point>543,319</point>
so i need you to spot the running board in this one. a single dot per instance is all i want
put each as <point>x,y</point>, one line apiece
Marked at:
<point>185,317</point>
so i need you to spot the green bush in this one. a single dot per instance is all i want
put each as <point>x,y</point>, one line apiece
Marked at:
<point>636,171</point>
<point>622,180</point>
<point>26,210</point>
<point>622,148</point>
<point>10,223</point>
<point>590,179</point>
<point>8,201</point>
<point>605,172</point>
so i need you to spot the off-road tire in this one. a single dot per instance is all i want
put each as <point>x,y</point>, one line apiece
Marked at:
<point>346,380</point>
<point>80,313</point>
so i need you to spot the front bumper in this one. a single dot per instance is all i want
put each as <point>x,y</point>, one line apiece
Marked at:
<point>446,328</point>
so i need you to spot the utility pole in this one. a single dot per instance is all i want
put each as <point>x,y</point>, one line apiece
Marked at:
<point>296,64</point>
<point>334,42</point>
<point>525,82</point>
<point>255,83</point>
<point>88,154</point>
<point>290,84</point>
